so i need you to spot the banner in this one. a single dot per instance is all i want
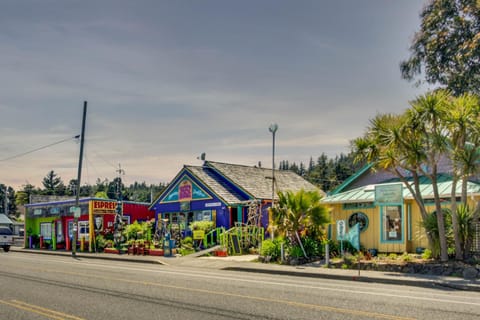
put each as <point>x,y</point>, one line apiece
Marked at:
<point>353,236</point>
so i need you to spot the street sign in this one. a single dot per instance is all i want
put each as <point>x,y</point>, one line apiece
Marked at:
<point>341,229</point>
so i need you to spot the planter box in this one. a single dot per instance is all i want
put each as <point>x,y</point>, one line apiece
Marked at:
<point>111,250</point>
<point>155,252</point>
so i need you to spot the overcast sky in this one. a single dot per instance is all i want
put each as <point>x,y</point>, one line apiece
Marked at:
<point>168,80</point>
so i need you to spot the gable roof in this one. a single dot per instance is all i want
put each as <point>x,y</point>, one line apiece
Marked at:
<point>257,182</point>
<point>217,186</point>
<point>233,183</point>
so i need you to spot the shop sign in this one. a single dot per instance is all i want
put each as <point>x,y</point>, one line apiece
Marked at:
<point>198,234</point>
<point>213,204</point>
<point>389,193</point>
<point>104,206</point>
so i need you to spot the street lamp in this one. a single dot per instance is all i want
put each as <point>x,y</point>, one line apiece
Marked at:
<point>273,129</point>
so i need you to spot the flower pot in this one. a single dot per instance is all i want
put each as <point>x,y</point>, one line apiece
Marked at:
<point>221,253</point>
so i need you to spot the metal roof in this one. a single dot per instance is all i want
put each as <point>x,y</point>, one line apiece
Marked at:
<point>367,193</point>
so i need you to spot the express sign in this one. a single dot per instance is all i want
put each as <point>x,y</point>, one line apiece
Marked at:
<point>104,206</point>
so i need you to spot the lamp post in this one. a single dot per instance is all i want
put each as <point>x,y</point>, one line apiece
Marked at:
<point>273,129</point>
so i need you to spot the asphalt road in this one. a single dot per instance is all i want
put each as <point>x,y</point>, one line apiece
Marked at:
<point>53,287</point>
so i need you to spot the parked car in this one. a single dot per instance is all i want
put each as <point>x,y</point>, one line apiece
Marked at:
<point>6,238</point>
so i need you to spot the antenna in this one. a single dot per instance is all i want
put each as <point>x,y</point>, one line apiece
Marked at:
<point>202,156</point>
<point>120,172</point>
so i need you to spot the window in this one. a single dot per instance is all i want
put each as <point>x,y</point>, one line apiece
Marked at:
<point>360,218</point>
<point>46,230</point>
<point>392,223</point>
<point>83,229</point>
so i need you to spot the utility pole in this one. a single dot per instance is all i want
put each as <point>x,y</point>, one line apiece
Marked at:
<point>79,175</point>
<point>6,201</point>
<point>118,224</point>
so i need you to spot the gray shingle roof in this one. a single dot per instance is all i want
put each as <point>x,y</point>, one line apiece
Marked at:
<point>208,178</point>
<point>4,219</point>
<point>258,181</point>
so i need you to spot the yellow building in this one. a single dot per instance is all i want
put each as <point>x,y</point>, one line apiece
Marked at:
<point>388,215</point>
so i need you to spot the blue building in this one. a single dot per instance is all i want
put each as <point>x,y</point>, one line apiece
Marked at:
<point>223,193</point>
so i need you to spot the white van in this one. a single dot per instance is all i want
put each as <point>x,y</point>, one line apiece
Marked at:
<point>6,238</point>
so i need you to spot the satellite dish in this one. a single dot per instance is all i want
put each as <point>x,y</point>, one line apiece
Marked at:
<point>202,156</point>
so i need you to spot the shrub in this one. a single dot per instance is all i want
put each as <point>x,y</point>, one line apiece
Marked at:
<point>270,248</point>
<point>187,241</point>
<point>392,256</point>
<point>100,242</point>
<point>206,226</point>
<point>312,247</point>
<point>406,257</point>
<point>427,254</point>
<point>295,251</point>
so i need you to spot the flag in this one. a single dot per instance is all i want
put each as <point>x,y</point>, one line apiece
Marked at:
<point>353,236</point>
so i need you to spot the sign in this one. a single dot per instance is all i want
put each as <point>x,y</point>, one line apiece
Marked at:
<point>341,229</point>
<point>185,190</point>
<point>104,206</point>
<point>185,206</point>
<point>198,234</point>
<point>389,193</point>
<point>353,236</point>
<point>213,204</point>
<point>76,211</point>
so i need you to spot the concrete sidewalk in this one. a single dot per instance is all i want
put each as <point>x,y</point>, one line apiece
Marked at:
<point>248,263</point>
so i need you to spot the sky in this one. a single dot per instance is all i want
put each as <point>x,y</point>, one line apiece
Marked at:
<point>166,81</point>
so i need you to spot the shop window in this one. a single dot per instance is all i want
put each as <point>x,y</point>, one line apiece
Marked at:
<point>207,215</point>
<point>360,218</point>
<point>392,223</point>
<point>46,230</point>
<point>83,229</point>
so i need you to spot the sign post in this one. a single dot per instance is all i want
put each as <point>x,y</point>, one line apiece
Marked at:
<point>341,229</point>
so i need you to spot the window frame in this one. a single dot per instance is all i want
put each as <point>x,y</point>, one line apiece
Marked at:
<point>384,238</point>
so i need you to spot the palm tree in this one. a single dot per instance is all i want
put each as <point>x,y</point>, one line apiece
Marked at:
<point>463,125</point>
<point>298,212</point>
<point>427,117</point>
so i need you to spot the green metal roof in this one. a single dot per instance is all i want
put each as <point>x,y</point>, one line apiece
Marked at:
<point>367,193</point>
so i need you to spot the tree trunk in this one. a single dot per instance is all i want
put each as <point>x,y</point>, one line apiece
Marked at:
<point>301,245</point>
<point>453,209</point>
<point>440,219</point>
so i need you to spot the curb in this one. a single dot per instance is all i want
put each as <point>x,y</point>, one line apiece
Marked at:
<point>113,257</point>
<point>423,283</point>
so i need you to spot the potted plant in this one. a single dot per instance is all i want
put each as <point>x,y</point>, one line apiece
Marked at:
<point>221,252</point>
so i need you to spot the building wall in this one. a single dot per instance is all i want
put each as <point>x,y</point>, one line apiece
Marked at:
<point>414,235</point>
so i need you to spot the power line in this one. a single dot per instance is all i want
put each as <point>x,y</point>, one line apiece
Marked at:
<point>38,149</point>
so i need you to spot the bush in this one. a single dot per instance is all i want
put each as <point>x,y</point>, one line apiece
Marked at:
<point>187,241</point>
<point>312,247</point>
<point>427,254</point>
<point>206,226</point>
<point>270,248</point>
<point>100,242</point>
<point>295,251</point>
